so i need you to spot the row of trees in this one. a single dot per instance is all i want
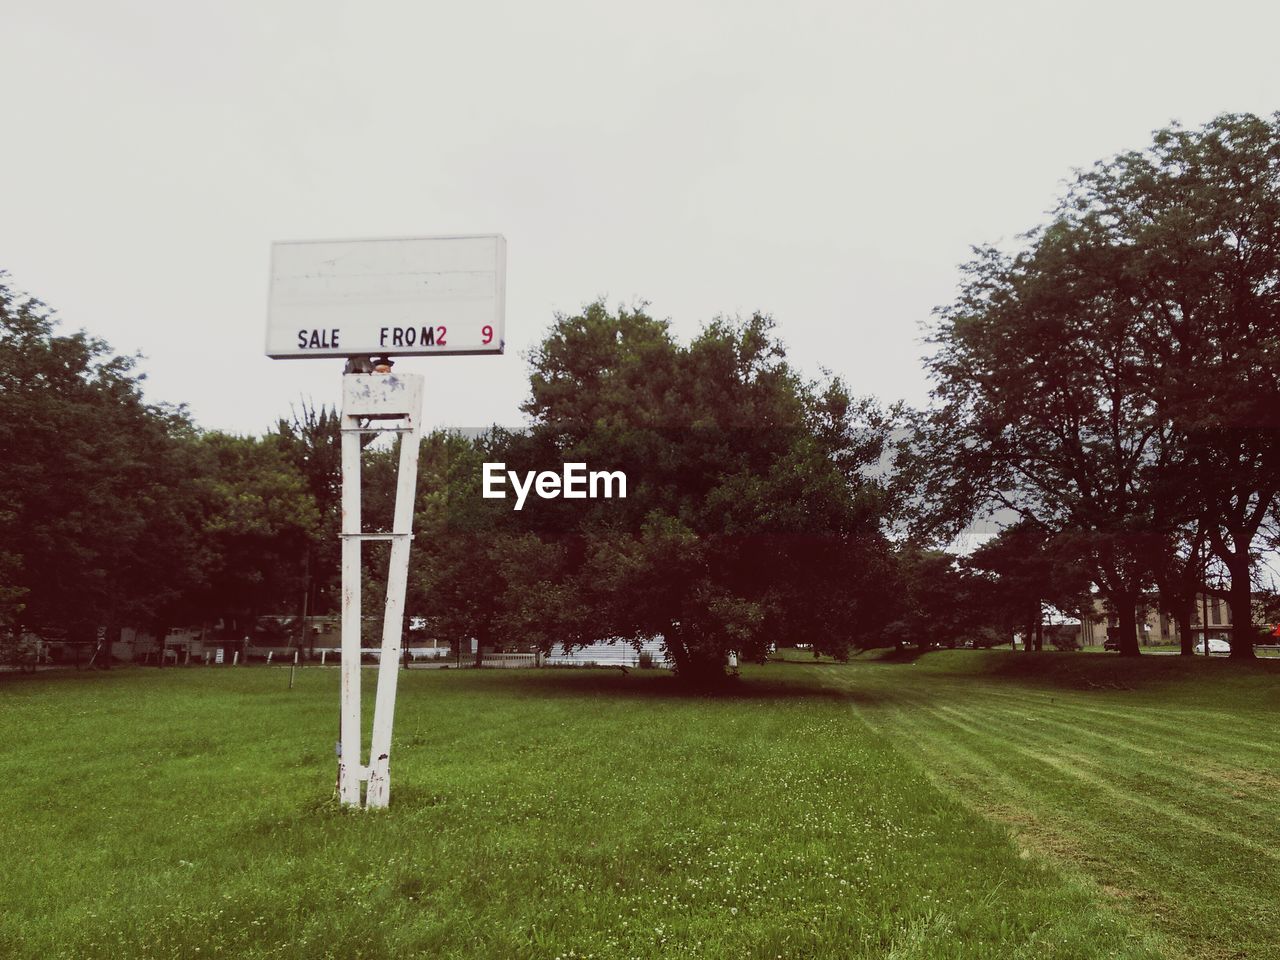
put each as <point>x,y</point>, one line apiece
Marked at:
<point>1115,382</point>
<point>1113,385</point>
<point>757,512</point>
<point>115,512</point>
<point>752,515</point>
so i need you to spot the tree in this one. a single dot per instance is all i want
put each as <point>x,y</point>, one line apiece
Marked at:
<point>311,440</point>
<point>934,599</point>
<point>99,525</point>
<point>258,521</point>
<point>1041,411</point>
<point>1180,576</point>
<point>749,516</point>
<point>1029,572</point>
<point>455,580</point>
<point>1194,225</point>
<point>1129,348</point>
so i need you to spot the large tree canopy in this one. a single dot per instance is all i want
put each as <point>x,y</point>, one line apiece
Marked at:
<point>117,512</point>
<point>92,480</point>
<point>748,519</point>
<point>1117,379</point>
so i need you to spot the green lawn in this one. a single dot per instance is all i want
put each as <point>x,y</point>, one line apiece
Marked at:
<point>955,806</point>
<point>1158,778</point>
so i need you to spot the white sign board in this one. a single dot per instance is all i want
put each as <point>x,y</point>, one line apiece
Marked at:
<point>402,297</point>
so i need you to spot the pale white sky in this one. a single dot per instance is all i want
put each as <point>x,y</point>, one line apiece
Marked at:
<point>829,163</point>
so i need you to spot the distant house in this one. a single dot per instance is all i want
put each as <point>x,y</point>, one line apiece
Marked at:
<point>1154,627</point>
<point>134,645</point>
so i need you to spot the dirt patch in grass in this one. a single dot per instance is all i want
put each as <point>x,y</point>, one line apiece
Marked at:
<point>1241,777</point>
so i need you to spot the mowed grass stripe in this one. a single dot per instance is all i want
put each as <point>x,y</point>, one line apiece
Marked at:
<point>1053,830</point>
<point>1195,864</point>
<point>1221,791</point>
<point>1207,789</point>
<point>1189,727</point>
<point>1106,782</point>
<point>1196,779</point>
<point>1194,728</point>
<point>1159,774</point>
<point>1015,802</point>
<point>1056,832</point>
<point>1079,772</point>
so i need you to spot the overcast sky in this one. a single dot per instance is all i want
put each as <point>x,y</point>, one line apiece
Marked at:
<point>828,163</point>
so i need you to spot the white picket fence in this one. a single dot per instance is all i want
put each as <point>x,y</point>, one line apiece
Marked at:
<point>509,660</point>
<point>609,655</point>
<point>594,655</point>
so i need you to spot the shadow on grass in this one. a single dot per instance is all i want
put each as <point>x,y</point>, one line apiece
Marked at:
<point>884,655</point>
<point>889,674</point>
<point>1077,670</point>
<point>1063,670</point>
<point>652,685</point>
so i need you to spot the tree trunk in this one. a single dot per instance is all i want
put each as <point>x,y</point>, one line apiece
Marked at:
<point>1179,578</point>
<point>701,672</point>
<point>1240,599</point>
<point>1242,529</point>
<point>1126,614</point>
<point>1187,642</point>
<point>694,670</point>
<point>1177,606</point>
<point>679,653</point>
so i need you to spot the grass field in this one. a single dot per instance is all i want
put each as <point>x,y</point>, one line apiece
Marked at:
<point>962,805</point>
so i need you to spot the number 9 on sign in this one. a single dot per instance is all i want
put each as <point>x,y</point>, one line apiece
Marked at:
<point>486,333</point>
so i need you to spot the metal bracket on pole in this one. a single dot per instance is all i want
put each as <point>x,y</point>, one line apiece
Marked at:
<point>396,401</point>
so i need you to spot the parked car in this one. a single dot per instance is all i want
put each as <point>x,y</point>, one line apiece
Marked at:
<point>1111,643</point>
<point>1216,645</point>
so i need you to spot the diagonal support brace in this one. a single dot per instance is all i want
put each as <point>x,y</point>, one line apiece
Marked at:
<point>394,402</point>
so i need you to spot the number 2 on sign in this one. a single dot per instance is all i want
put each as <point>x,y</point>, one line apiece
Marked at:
<point>487,332</point>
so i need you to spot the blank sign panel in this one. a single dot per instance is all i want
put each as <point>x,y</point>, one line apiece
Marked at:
<point>414,296</point>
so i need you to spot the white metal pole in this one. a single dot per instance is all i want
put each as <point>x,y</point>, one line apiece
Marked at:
<point>393,618</point>
<point>349,725</point>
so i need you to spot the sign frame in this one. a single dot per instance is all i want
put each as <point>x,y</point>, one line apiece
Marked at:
<point>313,301</point>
